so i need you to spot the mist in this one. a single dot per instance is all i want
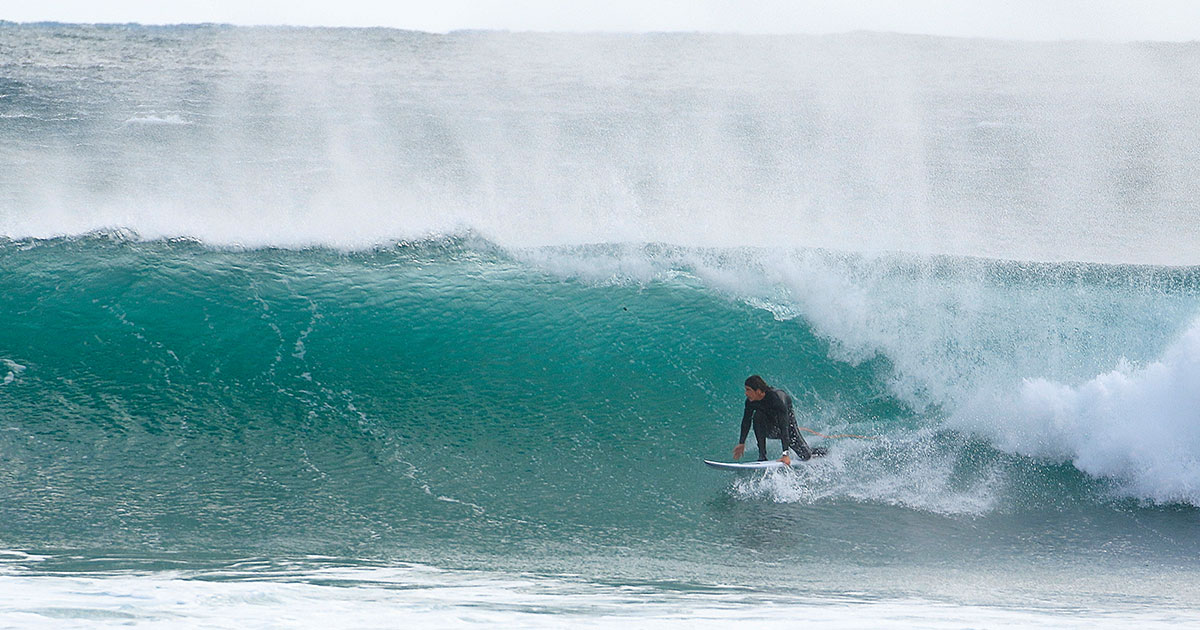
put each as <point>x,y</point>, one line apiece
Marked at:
<point>863,142</point>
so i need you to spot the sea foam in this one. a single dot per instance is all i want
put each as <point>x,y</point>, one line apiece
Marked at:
<point>1135,424</point>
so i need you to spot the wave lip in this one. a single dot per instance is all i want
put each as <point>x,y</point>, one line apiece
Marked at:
<point>154,119</point>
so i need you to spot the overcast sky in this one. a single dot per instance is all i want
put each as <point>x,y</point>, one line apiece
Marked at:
<point>1172,20</point>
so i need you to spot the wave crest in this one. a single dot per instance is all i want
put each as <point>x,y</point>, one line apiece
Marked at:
<point>1135,425</point>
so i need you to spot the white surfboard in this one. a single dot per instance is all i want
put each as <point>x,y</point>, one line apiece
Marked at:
<point>767,465</point>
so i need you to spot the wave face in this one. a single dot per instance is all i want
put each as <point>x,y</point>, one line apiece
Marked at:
<point>355,138</point>
<point>455,399</point>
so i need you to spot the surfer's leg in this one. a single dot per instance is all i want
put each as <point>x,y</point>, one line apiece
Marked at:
<point>798,445</point>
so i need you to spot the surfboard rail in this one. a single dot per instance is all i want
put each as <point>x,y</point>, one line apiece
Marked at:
<point>767,465</point>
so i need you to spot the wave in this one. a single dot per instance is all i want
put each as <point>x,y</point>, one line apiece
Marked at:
<point>315,370</point>
<point>153,119</point>
<point>1007,352</point>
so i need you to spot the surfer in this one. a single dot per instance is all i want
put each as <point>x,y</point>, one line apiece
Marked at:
<point>769,410</point>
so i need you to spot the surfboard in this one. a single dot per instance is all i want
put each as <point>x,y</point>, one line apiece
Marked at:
<point>819,451</point>
<point>767,465</point>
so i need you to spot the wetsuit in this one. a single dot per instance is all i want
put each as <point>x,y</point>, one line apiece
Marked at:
<point>772,417</point>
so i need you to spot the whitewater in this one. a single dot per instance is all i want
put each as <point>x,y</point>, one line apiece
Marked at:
<point>372,327</point>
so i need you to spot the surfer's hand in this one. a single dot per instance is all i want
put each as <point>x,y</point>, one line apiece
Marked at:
<point>738,451</point>
<point>787,461</point>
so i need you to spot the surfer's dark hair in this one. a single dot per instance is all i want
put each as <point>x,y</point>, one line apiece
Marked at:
<point>756,383</point>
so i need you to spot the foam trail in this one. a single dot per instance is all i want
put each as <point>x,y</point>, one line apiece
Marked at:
<point>907,470</point>
<point>426,597</point>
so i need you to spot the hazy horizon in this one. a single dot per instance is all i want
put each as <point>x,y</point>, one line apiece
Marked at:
<point>1155,20</point>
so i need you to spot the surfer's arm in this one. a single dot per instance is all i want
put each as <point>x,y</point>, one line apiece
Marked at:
<point>762,445</point>
<point>759,436</point>
<point>746,415</point>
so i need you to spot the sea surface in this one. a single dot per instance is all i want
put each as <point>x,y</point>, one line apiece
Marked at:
<point>311,328</point>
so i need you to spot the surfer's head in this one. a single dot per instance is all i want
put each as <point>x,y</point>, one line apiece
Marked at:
<point>756,388</point>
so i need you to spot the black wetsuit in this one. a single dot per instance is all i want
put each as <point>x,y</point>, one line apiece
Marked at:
<point>772,417</point>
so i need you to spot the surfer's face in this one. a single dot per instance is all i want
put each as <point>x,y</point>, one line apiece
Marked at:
<point>754,394</point>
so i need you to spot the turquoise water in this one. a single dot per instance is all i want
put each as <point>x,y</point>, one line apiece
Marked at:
<point>243,375</point>
<point>174,407</point>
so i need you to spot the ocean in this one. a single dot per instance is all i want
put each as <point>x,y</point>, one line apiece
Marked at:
<point>374,328</point>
